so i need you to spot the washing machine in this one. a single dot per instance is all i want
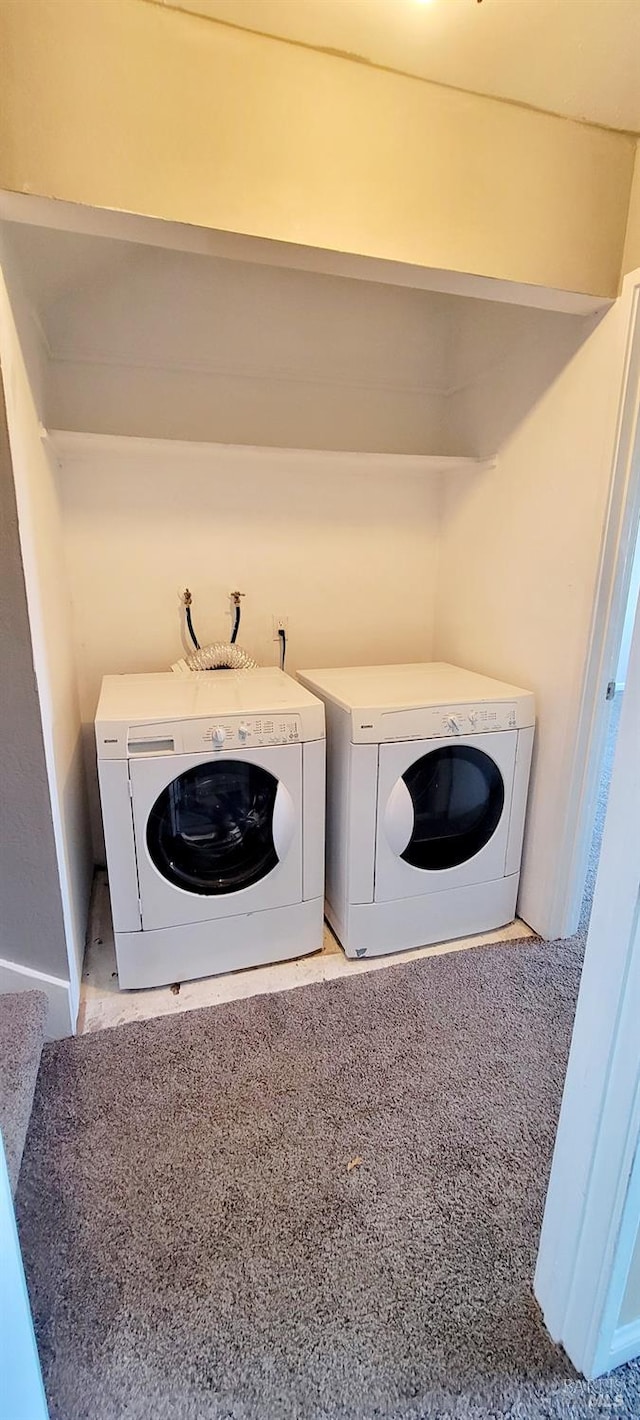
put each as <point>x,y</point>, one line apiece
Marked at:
<point>212,791</point>
<point>427,778</point>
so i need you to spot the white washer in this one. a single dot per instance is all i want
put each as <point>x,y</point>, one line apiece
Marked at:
<point>427,776</point>
<point>212,790</point>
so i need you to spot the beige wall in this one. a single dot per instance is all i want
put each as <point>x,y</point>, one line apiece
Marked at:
<point>50,624</point>
<point>631,257</point>
<point>31,922</point>
<point>139,107</point>
<point>519,559</point>
<point>343,545</point>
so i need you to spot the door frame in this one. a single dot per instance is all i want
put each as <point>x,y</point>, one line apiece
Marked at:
<point>20,1374</point>
<point>592,1212</point>
<point>620,536</point>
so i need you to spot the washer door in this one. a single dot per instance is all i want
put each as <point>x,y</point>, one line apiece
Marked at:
<point>218,835</point>
<point>443,814</point>
<point>212,830</point>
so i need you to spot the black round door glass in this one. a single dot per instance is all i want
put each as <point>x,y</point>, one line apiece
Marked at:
<point>458,798</point>
<point>211,830</point>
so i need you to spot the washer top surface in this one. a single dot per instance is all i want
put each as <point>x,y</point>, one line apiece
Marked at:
<point>369,690</point>
<point>126,699</point>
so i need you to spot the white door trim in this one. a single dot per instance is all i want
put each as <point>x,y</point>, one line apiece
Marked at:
<point>62,1012</point>
<point>616,562</point>
<point>21,1385</point>
<point>593,1202</point>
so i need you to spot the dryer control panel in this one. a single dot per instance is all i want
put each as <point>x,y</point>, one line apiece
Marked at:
<point>474,719</point>
<point>435,722</point>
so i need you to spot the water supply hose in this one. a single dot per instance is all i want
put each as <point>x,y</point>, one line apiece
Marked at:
<point>220,655</point>
<point>187,599</point>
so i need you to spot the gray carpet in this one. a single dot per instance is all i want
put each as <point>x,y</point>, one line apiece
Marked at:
<point>23,1018</point>
<point>197,1247</point>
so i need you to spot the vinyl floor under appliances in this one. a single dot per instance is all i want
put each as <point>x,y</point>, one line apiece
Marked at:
<point>103,1004</point>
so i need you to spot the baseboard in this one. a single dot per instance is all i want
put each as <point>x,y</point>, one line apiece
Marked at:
<point>625,1345</point>
<point>60,1019</point>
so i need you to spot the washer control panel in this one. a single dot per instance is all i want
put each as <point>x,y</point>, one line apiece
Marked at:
<point>231,732</point>
<point>240,732</point>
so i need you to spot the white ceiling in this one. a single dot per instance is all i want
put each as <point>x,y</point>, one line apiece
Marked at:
<point>578,58</point>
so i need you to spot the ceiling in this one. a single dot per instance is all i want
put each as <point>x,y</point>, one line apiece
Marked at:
<point>577,58</point>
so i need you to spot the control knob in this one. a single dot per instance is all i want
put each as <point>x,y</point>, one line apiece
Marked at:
<point>454,723</point>
<point>244,731</point>
<point>218,734</point>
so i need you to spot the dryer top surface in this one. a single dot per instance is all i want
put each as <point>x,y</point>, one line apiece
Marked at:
<point>428,684</point>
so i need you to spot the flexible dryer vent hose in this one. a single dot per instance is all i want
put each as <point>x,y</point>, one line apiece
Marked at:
<point>221,655</point>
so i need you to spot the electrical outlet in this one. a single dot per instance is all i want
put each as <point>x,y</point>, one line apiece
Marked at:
<point>280,623</point>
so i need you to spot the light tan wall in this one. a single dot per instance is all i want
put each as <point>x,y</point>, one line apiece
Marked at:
<point>42,551</point>
<point>519,557</point>
<point>31,922</point>
<point>343,545</point>
<point>631,257</point>
<point>139,107</point>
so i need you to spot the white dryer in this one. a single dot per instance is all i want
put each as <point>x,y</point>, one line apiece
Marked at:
<point>427,778</point>
<point>212,790</point>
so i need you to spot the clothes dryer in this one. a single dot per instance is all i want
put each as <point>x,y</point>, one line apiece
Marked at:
<point>427,778</point>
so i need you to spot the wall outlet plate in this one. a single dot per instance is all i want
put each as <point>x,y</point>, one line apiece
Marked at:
<point>279,623</point>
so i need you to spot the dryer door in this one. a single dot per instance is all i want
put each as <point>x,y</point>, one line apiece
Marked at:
<point>443,813</point>
<point>217,835</point>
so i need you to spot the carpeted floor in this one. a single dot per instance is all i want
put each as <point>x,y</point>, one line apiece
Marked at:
<point>198,1248</point>
<point>23,1018</point>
